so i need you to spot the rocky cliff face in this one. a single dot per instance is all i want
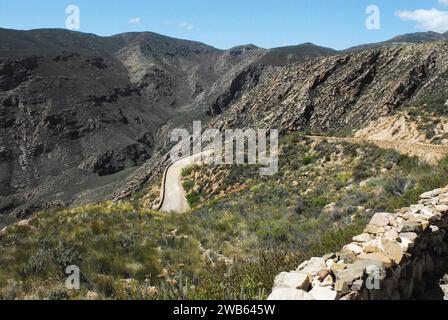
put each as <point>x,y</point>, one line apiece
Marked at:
<point>342,91</point>
<point>67,116</point>
<point>177,72</point>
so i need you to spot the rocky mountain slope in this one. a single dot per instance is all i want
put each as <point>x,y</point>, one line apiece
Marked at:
<point>342,91</point>
<point>340,94</point>
<point>79,113</point>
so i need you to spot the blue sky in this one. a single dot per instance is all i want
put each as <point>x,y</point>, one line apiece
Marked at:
<point>225,23</point>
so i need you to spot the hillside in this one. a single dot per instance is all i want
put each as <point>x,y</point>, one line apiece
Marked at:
<point>244,230</point>
<point>80,113</point>
<point>337,95</point>
<point>342,92</point>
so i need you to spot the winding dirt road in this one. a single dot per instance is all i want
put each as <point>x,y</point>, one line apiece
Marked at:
<point>173,194</point>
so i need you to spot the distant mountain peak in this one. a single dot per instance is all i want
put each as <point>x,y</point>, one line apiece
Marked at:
<point>416,37</point>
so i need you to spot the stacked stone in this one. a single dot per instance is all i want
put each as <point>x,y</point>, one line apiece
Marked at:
<point>388,261</point>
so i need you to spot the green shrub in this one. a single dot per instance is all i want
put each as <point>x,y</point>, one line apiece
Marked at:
<point>193,198</point>
<point>128,242</point>
<point>66,254</point>
<point>37,264</point>
<point>307,160</point>
<point>188,185</point>
<point>187,171</point>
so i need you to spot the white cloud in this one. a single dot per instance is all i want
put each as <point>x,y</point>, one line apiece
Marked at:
<point>428,20</point>
<point>186,26</point>
<point>443,2</point>
<point>135,20</point>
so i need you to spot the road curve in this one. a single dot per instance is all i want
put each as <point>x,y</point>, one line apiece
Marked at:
<point>174,197</point>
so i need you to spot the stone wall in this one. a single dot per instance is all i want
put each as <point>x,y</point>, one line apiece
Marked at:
<point>400,256</point>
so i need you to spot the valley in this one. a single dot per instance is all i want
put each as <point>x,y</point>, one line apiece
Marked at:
<point>85,124</point>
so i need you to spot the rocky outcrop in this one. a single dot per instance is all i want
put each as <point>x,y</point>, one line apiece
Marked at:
<point>116,160</point>
<point>244,81</point>
<point>15,71</point>
<point>394,128</point>
<point>400,255</point>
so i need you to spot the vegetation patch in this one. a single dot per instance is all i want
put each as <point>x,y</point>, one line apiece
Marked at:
<point>244,228</point>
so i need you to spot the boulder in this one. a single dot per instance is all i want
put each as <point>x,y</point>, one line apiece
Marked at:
<point>377,256</point>
<point>365,237</point>
<point>427,212</point>
<point>410,226</point>
<point>323,293</point>
<point>329,263</point>
<point>373,246</point>
<point>345,278</point>
<point>392,250</point>
<point>372,229</point>
<point>391,235</point>
<point>432,194</point>
<point>353,248</point>
<point>312,266</point>
<point>442,208</point>
<point>406,244</point>
<point>381,219</point>
<point>315,283</point>
<point>294,280</point>
<point>409,235</point>
<point>322,274</point>
<point>365,264</point>
<point>338,267</point>
<point>329,256</point>
<point>327,282</point>
<point>347,256</point>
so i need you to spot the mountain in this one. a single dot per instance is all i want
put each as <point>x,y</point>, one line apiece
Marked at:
<point>70,117</point>
<point>410,38</point>
<point>85,119</point>
<point>420,37</point>
<point>342,91</point>
<point>80,113</point>
<point>82,117</point>
<point>295,54</point>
